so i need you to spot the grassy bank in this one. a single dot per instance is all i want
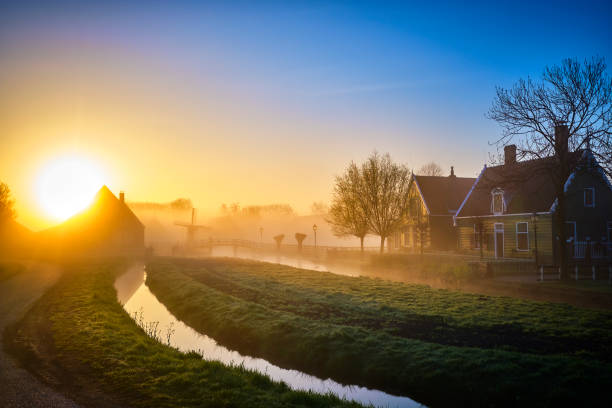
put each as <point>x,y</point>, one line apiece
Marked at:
<point>406,339</point>
<point>79,338</point>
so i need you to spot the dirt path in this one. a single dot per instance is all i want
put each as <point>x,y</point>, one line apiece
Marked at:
<point>18,388</point>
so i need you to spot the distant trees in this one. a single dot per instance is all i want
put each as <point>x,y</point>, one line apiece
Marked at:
<point>430,169</point>
<point>569,108</point>
<point>7,204</point>
<point>347,213</point>
<point>319,208</point>
<point>372,197</point>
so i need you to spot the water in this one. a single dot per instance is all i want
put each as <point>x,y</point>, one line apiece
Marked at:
<point>136,296</point>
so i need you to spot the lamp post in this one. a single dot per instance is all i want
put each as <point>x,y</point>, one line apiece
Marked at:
<point>261,235</point>
<point>314,228</point>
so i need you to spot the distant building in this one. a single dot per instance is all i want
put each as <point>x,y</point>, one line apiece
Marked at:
<point>509,211</point>
<point>433,202</point>
<point>107,228</point>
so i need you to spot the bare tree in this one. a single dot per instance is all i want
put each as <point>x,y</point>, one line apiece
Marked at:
<point>384,194</point>
<point>430,169</point>
<point>347,215</point>
<point>7,204</point>
<point>571,101</point>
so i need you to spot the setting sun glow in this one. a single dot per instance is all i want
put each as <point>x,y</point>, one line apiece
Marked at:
<point>67,185</point>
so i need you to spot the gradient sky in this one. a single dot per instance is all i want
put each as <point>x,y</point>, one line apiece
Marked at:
<point>263,102</point>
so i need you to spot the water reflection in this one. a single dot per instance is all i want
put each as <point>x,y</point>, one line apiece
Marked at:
<point>136,296</point>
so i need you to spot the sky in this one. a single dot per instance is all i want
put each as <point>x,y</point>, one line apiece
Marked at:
<point>265,102</point>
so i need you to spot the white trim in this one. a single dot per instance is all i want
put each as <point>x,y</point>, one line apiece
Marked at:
<point>504,215</point>
<point>517,235</point>
<point>495,231</point>
<point>421,194</point>
<point>592,197</point>
<point>469,193</point>
<point>498,192</point>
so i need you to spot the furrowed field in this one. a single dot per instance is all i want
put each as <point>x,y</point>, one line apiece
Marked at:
<point>440,347</point>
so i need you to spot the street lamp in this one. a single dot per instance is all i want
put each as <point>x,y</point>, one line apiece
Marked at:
<point>261,234</point>
<point>314,228</point>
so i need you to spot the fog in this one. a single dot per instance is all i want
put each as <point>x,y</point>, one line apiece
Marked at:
<point>259,223</point>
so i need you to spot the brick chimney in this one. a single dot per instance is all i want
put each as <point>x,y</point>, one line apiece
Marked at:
<point>561,139</point>
<point>122,196</point>
<point>510,154</point>
<point>452,172</point>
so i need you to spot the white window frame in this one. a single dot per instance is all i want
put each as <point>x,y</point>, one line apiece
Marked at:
<point>500,192</point>
<point>517,235</point>
<point>592,197</point>
<point>495,231</point>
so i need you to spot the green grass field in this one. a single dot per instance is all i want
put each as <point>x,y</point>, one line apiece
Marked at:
<point>437,346</point>
<point>78,337</point>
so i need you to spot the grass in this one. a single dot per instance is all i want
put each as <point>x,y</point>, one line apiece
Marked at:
<point>9,269</point>
<point>406,339</point>
<point>80,336</point>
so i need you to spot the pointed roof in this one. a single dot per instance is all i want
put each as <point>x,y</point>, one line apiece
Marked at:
<point>443,195</point>
<point>528,186</point>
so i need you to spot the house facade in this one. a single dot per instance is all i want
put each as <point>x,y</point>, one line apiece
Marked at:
<point>433,201</point>
<point>510,211</point>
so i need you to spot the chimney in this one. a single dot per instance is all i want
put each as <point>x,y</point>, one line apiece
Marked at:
<point>452,172</point>
<point>510,154</point>
<point>561,139</point>
<point>122,196</point>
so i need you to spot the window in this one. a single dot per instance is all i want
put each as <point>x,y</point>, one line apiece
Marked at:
<point>497,203</point>
<point>570,231</point>
<point>522,236</point>
<point>589,197</point>
<point>476,236</point>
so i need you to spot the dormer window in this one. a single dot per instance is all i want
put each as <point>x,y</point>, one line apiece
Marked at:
<point>497,201</point>
<point>589,197</point>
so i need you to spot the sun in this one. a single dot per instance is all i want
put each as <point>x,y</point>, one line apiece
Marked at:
<point>67,185</point>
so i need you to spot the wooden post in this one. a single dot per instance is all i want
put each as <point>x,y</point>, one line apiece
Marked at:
<point>559,273</point>
<point>542,273</point>
<point>593,269</point>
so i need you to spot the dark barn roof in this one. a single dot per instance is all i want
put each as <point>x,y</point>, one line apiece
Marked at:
<point>528,186</point>
<point>443,195</point>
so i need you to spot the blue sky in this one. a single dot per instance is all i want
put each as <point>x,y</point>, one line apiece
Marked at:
<point>306,85</point>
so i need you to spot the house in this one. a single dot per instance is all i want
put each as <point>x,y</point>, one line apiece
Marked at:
<point>106,228</point>
<point>433,201</point>
<point>510,210</point>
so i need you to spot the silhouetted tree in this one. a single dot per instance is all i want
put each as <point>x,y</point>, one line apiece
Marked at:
<point>299,237</point>
<point>7,204</point>
<point>279,240</point>
<point>347,214</point>
<point>319,208</point>
<point>384,194</point>
<point>573,101</point>
<point>430,169</point>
